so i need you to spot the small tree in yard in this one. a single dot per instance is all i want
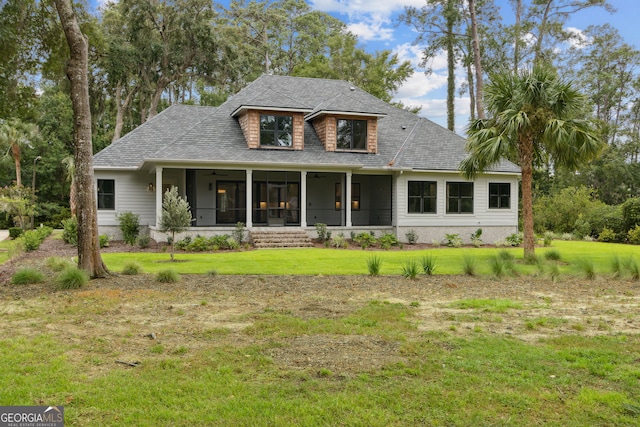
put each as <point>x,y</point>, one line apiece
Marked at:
<point>176,216</point>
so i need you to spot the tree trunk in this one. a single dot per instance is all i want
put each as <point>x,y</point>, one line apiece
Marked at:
<point>516,49</point>
<point>542,32</point>
<point>475,42</point>
<point>89,258</point>
<point>15,153</point>
<point>526,167</point>
<point>451,69</point>
<point>121,107</point>
<point>472,96</point>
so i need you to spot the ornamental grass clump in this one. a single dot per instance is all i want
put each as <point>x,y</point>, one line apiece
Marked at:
<point>374,263</point>
<point>131,268</point>
<point>71,278</point>
<point>587,267</point>
<point>57,264</point>
<point>553,255</point>
<point>469,265</point>
<point>167,276</point>
<point>27,276</point>
<point>428,264</point>
<point>410,269</point>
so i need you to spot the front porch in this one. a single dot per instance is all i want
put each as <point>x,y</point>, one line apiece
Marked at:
<point>220,198</point>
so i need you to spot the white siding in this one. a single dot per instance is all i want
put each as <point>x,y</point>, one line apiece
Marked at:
<point>131,195</point>
<point>505,220</point>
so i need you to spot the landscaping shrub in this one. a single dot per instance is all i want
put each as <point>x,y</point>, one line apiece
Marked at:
<point>412,237</point>
<point>581,228</point>
<point>232,243</point>
<point>410,269</point>
<point>238,233</point>
<point>547,239</point>
<point>374,263</point>
<point>143,241</point>
<point>514,239</point>
<point>33,238</point>
<point>323,234</point>
<point>453,240</point>
<point>182,244</point>
<point>428,264</point>
<point>15,232</point>
<point>339,241</point>
<point>167,276</point>
<point>70,231</point>
<point>633,235</point>
<point>631,213</point>
<point>387,240</point>
<point>364,240</point>
<point>607,235</point>
<point>103,240</point>
<point>199,244</point>
<point>27,276</point>
<point>130,226</point>
<point>131,268</point>
<point>71,278</point>
<point>475,238</point>
<point>559,212</point>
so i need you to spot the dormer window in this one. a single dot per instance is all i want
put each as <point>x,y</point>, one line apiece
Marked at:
<point>351,134</point>
<point>276,131</point>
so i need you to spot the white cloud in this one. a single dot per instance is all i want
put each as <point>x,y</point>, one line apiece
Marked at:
<point>578,38</point>
<point>371,29</point>
<point>364,7</point>
<point>409,52</point>
<point>419,85</point>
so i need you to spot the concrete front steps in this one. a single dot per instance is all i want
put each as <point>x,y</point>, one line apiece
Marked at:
<point>281,239</point>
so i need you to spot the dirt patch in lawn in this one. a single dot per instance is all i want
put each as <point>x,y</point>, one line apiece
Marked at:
<point>134,318</point>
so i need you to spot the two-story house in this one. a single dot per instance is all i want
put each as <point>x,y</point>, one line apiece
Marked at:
<point>293,152</point>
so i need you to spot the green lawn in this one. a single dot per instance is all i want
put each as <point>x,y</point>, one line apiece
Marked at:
<point>63,347</point>
<point>441,379</point>
<point>313,261</point>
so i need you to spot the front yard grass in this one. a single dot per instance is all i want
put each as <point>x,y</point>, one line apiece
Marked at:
<point>314,261</point>
<point>441,379</point>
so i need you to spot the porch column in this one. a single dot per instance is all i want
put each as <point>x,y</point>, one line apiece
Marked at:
<point>249,191</point>
<point>303,199</point>
<point>347,201</point>
<point>159,194</point>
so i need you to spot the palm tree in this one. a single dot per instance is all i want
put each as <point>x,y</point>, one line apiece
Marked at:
<point>533,115</point>
<point>14,136</point>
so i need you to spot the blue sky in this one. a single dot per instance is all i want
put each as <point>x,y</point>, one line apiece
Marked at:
<point>373,22</point>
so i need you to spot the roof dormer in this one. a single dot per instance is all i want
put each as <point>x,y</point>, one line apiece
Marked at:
<point>272,121</point>
<point>346,124</point>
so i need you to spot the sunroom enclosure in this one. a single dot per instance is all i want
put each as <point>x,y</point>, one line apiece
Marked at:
<point>264,198</point>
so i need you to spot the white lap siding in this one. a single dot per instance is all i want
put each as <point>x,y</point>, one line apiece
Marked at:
<point>131,195</point>
<point>496,223</point>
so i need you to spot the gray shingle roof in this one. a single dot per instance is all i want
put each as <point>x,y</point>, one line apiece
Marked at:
<point>207,134</point>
